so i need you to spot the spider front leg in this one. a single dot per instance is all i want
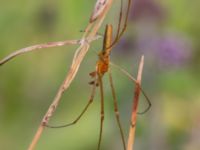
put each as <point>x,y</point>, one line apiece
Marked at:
<point>102,109</point>
<point>82,112</point>
<point>120,31</point>
<point>134,81</point>
<point>116,109</point>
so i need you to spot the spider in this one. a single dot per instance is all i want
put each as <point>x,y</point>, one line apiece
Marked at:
<point>100,10</point>
<point>103,67</point>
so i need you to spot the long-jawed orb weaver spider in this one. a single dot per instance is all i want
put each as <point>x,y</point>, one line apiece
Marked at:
<point>96,19</point>
<point>102,67</point>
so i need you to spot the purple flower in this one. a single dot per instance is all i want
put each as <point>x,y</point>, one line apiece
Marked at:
<point>168,50</point>
<point>174,50</point>
<point>147,9</point>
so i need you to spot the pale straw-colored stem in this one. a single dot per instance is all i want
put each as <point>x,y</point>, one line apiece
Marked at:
<point>78,57</point>
<point>42,46</point>
<point>137,91</point>
<point>37,47</point>
<point>35,139</point>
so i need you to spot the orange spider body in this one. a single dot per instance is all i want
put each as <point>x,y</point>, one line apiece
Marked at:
<point>104,55</point>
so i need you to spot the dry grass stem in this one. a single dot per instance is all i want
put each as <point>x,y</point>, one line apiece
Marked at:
<point>42,46</point>
<point>90,31</point>
<point>35,139</point>
<point>137,91</point>
<point>89,36</point>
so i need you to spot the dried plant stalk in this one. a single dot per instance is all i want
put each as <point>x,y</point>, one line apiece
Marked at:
<point>42,46</point>
<point>90,32</point>
<point>137,91</point>
<point>37,47</point>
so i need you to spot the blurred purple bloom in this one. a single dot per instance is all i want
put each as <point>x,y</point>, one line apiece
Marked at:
<point>167,50</point>
<point>125,45</point>
<point>162,48</point>
<point>143,9</point>
<point>173,50</point>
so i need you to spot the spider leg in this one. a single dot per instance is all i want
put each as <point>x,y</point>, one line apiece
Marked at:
<point>120,33</point>
<point>82,112</point>
<point>135,81</point>
<point>102,110</point>
<point>116,110</point>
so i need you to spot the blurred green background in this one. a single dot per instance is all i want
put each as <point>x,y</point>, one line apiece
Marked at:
<point>166,32</point>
